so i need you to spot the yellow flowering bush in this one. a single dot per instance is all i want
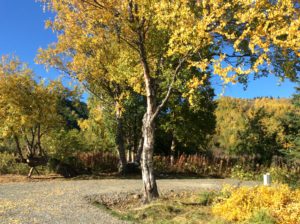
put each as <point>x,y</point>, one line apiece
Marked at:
<point>240,204</point>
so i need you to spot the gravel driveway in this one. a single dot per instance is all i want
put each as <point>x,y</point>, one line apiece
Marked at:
<point>63,201</point>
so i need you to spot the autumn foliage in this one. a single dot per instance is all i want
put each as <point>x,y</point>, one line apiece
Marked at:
<point>239,204</point>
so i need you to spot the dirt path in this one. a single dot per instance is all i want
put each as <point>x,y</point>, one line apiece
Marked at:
<point>63,201</point>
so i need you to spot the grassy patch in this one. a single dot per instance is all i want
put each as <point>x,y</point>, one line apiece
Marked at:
<point>113,212</point>
<point>261,217</point>
<point>278,204</point>
<point>184,207</point>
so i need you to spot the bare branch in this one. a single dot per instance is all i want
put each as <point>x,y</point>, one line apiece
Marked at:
<point>130,44</point>
<point>18,146</point>
<point>94,3</point>
<point>165,100</point>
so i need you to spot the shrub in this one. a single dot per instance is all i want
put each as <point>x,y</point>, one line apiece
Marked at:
<point>162,164</point>
<point>63,144</point>
<point>281,202</point>
<point>207,198</point>
<point>99,161</point>
<point>285,176</point>
<point>194,164</point>
<point>8,165</point>
<point>261,217</point>
<point>240,173</point>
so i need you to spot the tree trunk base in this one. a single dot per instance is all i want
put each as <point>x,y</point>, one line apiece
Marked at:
<point>150,195</point>
<point>31,172</point>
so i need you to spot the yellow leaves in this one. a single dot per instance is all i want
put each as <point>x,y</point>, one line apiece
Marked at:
<point>260,61</point>
<point>26,104</point>
<point>267,24</point>
<point>193,86</point>
<point>202,65</point>
<point>195,82</point>
<point>103,41</point>
<point>281,202</point>
<point>240,114</point>
<point>83,124</point>
<point>187,32</point>
<point>229,73</point>
<point>276,109</point>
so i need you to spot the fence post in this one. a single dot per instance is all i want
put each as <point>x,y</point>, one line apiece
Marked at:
<point>267,179</point>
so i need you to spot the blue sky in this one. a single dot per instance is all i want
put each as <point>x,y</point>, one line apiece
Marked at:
<point>22,32</point>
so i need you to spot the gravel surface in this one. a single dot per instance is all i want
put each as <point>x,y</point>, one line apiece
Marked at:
<point>66,201</point>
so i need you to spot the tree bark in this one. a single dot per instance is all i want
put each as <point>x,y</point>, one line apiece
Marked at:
<point>173,148</point>
<point>19,150</point>
<point>39,143</point>
<point>139,151</point>
<point>149,182</point>
<point>120,143</point>
<point>141,142</point>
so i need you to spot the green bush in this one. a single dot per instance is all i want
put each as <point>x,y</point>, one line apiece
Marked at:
<point>64,144</point>
<point>240,173</point>
<point>162,164</point>
<point>207,198</point>
<point>8,165</point>
<point>261,217</point>
<point>285,176</point>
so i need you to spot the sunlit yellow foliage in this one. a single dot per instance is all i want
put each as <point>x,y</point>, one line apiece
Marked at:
<point>280,201</point>
<point>23,102</point>
<point>251,121</point>
<point>104,37</point>
<point>28,109</point>
<point>276,110</point>
<point>98,129</point>
<point>192,85</point>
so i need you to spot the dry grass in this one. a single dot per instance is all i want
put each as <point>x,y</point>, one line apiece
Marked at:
<point>10,178</point>
<point>177,208</point>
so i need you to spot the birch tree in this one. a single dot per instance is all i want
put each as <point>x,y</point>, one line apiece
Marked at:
<point>232,39</point>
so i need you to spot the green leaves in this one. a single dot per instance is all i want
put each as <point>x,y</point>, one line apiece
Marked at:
<point>28,109</point>
<point>252,127</point>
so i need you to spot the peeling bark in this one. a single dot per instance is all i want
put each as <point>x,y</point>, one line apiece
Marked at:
<point>149,182</point>
<point>150,186</point>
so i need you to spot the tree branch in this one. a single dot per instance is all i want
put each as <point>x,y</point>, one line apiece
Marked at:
<point>165,100</point>
<point>130,44</point>
<point>95,4</point>
<point>27,141</point>
<point>18,146</point>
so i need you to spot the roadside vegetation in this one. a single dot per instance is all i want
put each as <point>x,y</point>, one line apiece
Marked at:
<point>244,205</point>
<point>263,137</point>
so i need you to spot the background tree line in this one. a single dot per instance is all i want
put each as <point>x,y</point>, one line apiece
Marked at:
<point>46,119</point>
